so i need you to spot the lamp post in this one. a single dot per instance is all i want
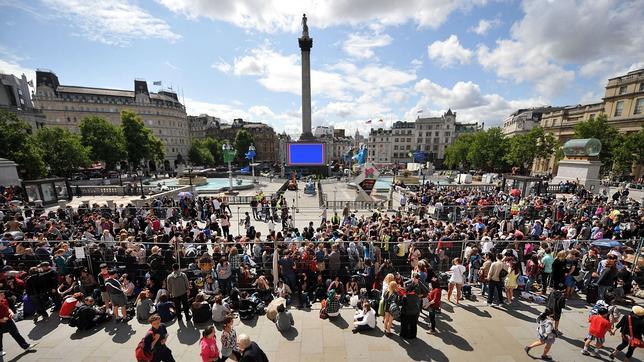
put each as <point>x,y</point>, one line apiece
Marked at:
<point>252,151</point>
<point>190,175</point>
<point>118,168</point>
<point>229,155</point>
<point>141,173</point>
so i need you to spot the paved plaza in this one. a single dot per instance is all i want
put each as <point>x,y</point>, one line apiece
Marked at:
<point>470,332</point>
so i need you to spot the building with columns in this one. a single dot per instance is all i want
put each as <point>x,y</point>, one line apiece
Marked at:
<point>523,120</point>
<point>66,105</point>
<point>623,105</point>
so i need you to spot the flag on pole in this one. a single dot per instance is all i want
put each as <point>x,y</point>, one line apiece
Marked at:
<point>368,122</point>
<point>419,111</point>
<point>157,82</point>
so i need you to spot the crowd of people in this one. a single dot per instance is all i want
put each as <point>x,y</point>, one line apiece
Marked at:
<point>176,259</point>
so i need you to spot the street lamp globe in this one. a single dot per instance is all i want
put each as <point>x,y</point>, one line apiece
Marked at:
<point>252,147</point>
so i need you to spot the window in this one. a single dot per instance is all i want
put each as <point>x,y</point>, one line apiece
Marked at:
<point>447,134</point>
<point>408,147</point>
<point>619,108</point>
<point>436,133</point>
<point>395,139</point>
<point>396,147</point>
<point>639,106</point>
<point>409,139</point>
<point>641,87</point>
<point>435,148</point>
<point>622,89</point>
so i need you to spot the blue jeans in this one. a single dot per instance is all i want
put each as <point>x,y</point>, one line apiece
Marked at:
<point>495,288</point>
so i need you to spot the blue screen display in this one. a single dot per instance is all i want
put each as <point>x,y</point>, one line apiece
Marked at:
<point>305,154</point>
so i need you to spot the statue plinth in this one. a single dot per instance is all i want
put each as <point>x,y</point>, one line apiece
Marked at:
<point>306,43</point>
<point>581,163</point>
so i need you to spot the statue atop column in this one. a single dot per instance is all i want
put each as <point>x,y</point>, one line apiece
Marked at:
<point>305,28</point>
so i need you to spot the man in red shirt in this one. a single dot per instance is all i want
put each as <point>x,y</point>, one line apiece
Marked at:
<point>598,326</point>
<point>7,325</point>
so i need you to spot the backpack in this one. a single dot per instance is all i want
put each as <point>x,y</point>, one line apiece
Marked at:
<point>139,352</point>
<point>394,309</point>
<point>74,319</point>
<point>503,273</point>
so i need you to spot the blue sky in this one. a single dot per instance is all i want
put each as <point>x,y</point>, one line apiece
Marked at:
<point>371,59</point>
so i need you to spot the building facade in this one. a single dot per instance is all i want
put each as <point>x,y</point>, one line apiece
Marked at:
<point>523,120</point>
<point>623,104</point>
<point>266,142</point>
<point>15,97</point>
<point>198,125</point>
<point>65,106</point>
<point>430,134</point>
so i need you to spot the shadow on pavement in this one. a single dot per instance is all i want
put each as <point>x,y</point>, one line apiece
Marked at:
<point>450,337</point>
<point>290,334</point>
<point>419,350</point>
<point>43,328</point>
<point>187,333</point>
<point>339,322</point>
<point>250,322</point>
<point>477,311</point>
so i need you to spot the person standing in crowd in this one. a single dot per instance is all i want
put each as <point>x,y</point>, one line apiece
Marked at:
<point>546,270</point>
<point>229,346</point>
<point>598,326</point>
<point>208,343</point>
<point>178,284</point>
<point>410,311</point>
<point>631,328</point>
<point>7,325</point>
<point>456,280</point>
<point>434,297</point>
<point>495,282</point>
<point>154,342</point>
<point>117,296</point>
<point>546,334</point>
<point>250,350</point>
<point>391,306</point>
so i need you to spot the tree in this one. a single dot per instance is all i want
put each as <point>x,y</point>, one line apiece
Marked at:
<point>487,150</point>
<point>105,141</point>
<point>199,154</point>
<point>598,127</point>
<point>63,151</point>
<point>456,153</point>
<point>629,152</point>
<point>524,148</point>
<point>243,139</point>
<point>214,146</point>
<point>140,143</point>
<point>19,146</point>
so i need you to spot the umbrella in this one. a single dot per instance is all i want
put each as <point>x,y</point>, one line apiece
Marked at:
<point>185,194</point>
<point>607,243</point>
<point>515,192</point>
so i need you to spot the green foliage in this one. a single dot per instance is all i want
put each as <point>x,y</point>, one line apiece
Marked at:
<point>140,143</point>
<point>18,145</point>
<point>630,151</point>
<point>598,127</point>
<point>456,153</point>
<point>524,148</point>
<point>106,141</point>
<point>199,154</point>
<point>63,151</point>
<point>214,146</point>
<point>487,150</point>
<point>243,139</point>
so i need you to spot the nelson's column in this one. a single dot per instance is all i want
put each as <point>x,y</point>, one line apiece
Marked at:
<point>306,43</point>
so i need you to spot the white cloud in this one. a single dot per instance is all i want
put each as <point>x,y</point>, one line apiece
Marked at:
<point>599,37</point>
<point>485,25</point>
<point>10,64</point>
<point>113,22</point>
<point>282,73</point>
<point>222,66</point>
<point>284,15</point>
<point>449,52</point>
<point>362,45</point>
<point>468,101</point>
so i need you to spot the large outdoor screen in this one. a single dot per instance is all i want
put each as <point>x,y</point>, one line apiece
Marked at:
<point>305,154</point>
